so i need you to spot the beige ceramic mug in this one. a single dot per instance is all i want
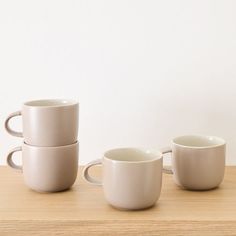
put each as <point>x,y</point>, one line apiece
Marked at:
<point>47,169</point>
<point>47,122</point>
<point>198,162</point>
<point>132,177</point>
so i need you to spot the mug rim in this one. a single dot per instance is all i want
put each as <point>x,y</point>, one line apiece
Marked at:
<point>221,140</point>
<point>50,147</point>
<point>57,103</point>
<point>157,153</point>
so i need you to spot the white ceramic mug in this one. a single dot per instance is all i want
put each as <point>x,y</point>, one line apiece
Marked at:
<point>198,162</point>
<point>132,177</point>
<point>47,169</point>
<point>47,122</point>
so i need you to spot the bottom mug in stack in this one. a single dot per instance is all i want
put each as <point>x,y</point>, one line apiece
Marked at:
<point>47,169</point>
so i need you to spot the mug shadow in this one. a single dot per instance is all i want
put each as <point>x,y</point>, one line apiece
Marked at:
<point>200,190</point>
<point>135,210</point>
<point>52,192</point>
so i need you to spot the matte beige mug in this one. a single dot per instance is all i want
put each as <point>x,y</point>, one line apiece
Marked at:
<point>198,162</point>
<point>132,178</point>
<point>47,169</point>
<point>47,122</point>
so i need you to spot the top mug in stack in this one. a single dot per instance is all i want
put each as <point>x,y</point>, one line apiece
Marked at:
<point>47,123</point>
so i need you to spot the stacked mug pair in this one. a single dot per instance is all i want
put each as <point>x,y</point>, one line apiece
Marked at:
<point>50,147</point>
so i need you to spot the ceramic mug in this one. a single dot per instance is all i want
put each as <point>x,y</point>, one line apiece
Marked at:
<point>198,162</point>
<point>132,178</point>
<point>47,169</point>
<point>47,122</point>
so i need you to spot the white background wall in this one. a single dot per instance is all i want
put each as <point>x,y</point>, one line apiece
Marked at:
<point>143,71</point>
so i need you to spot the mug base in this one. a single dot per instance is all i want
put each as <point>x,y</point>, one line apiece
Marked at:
<point>197,189</point>
<point>132,209</point>
<point>50,191</point>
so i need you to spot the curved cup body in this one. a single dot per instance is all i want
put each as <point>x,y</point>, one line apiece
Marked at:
<point>132,185</point>
<point>47,169</point>
<point>198,167</point>
<point>53,125</point>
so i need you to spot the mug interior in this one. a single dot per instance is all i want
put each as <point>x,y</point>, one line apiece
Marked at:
<point>198,141</point>
<point>132,155</point>
<point>50,102</point>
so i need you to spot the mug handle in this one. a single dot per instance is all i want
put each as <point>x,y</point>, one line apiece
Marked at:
<point>167,170</point>
<point>10,161</point>
<point>7,127</point>
<point>86,175</point>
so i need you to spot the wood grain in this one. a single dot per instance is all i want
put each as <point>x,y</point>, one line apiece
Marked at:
<point>84,211</point>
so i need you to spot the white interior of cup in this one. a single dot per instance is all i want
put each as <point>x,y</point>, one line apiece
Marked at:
<point>50,103</point>
<point>132,155</point>
<point>198,141</point>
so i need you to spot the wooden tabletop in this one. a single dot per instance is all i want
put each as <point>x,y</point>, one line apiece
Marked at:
<point>84,211</point>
